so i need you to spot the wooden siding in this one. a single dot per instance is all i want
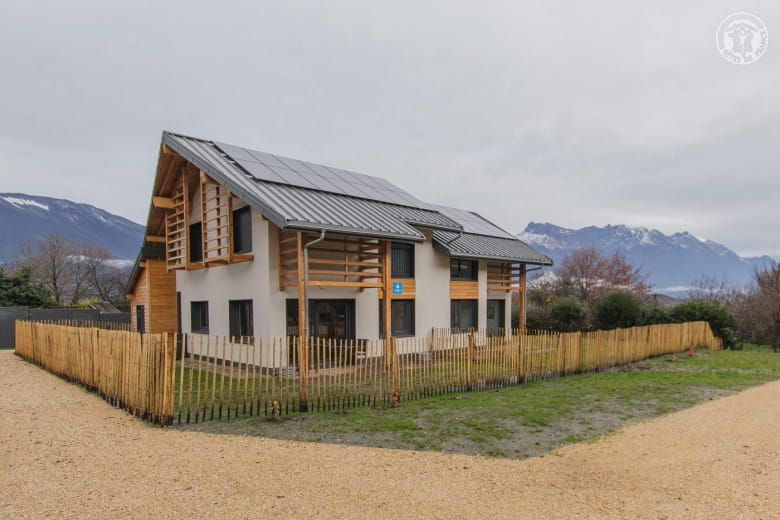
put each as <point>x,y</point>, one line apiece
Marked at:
<point>155,289</point>
<point>139,296</point>
<point>161,313</point>
<point>464,290</point>
<point>410,289</point>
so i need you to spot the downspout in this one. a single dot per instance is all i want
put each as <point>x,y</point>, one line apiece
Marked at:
<point>305,325</point>
<point>460,234</point>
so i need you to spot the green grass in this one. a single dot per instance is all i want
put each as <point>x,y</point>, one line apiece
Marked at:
<point>529,419</point>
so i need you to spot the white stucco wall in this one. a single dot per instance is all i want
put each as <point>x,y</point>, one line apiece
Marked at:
<point>432,276</point>
<point>258,281</point>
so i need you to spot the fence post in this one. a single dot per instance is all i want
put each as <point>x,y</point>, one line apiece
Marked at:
<point>303,373</point>
<point>470,360</point>
<point>396,365</point>
<point>521,354</point>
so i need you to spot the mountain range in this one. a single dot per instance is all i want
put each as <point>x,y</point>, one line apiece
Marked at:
<point>30,217</point>
<point>672,262</point>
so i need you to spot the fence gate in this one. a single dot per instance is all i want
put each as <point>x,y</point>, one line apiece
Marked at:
<point>8,318</point>
<point>9,315</point>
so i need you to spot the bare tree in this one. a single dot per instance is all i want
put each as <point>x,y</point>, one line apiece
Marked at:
<point>587,274</point>
<point>50,261</point>
<point>758,309</point>
<point>712,289</point>
<point>72,272</point>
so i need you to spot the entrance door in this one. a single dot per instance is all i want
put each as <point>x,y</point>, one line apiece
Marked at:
<point>495,316</point>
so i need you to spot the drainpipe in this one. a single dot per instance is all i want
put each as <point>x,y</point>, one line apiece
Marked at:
<point>305,324</point>
<point>460,234</point>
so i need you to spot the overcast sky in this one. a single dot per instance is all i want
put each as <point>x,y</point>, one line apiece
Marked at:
<point>574,113</point>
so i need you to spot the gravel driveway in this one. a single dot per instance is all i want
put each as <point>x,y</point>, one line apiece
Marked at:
<point>65,453</point>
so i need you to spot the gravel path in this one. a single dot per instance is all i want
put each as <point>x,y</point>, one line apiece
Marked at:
<point>65,453</point>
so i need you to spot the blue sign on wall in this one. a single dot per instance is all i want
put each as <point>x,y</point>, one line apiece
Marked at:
<point>398,287</point>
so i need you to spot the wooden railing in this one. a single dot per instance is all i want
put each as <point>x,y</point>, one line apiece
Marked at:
<point>217,378</point>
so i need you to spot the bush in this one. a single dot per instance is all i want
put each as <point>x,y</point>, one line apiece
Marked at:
<point>655,314</point>
<point>568,314</point>
<point>618,309</point>
<point>537,318</point>
<point>721,320</point>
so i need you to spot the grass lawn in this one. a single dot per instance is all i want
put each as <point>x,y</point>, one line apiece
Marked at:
<point>529,419</point>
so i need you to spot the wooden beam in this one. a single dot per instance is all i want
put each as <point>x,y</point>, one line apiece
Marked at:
<point>387,303</point>
<point>521,300</point>
<point>302,326</point>
<point>163,202</point>
<point>157,239</point>
<point>303,330</point>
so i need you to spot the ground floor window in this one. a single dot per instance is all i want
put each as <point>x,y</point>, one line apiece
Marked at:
<point>334,319</point>
<point>241,320</point>
<point>140,318</point>
<point>496,316</point>
<point>463,314</point>
<point>199,317</point>
<point>401,318</point>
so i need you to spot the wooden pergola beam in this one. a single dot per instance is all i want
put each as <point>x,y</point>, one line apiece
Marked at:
<point>156,239</point>
<point>163,202</point>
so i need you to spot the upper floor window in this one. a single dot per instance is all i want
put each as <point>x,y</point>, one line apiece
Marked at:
<point>199,317</point>
<point>196,242</point>
<point>242,230</point>
<point>461,269</point>
<point>402,260</point>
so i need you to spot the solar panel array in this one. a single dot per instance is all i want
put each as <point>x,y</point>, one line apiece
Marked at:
<point>473,223</point>
<point>284,170</point>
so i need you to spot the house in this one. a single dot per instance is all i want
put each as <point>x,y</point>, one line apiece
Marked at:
<point>244,243</point>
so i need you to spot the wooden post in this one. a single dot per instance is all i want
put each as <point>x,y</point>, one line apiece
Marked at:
<point>387,304</point>
<point>303,330</point>
<point>521,299</point>
<point>470,360</point>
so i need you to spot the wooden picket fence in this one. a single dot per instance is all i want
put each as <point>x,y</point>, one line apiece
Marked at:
<point>130,370</point>
<point>218,378</point>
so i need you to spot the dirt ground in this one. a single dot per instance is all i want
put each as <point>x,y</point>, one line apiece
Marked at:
<point>65,453</point>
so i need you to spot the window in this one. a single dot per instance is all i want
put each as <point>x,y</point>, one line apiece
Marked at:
<point>461,269</point>
<point>402,260</point>
<point>242,230</point>
<point>140,319</point>
<point>199,317</point>
<point>241,324</point>
<point>333,319</point>
<point>463,314</point>
<point>401,318</point>
<point>196,242</point>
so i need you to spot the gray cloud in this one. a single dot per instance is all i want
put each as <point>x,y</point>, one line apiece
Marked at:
<point>574,114</point>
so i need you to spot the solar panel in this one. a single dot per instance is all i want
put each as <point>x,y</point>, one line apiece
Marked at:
<point>473,223</point>
<point>259,171</point>
<point>274,168</point>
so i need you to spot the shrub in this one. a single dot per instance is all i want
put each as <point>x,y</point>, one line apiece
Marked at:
<point>618,309</point>
<point>568,314</point>
<point>721,320</point>
<point>538,318</point>
<point>655,314</point>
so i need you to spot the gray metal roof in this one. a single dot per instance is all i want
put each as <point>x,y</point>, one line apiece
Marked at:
<point>473,222</point>
<point>482,247</point>
<point>296,194</point>
<point>295,200</point>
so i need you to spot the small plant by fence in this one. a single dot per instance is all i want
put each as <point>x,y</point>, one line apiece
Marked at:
<point>218,378</point>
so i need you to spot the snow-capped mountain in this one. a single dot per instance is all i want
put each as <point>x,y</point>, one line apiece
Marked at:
<point>30,217</point>
<point>671,261</point>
